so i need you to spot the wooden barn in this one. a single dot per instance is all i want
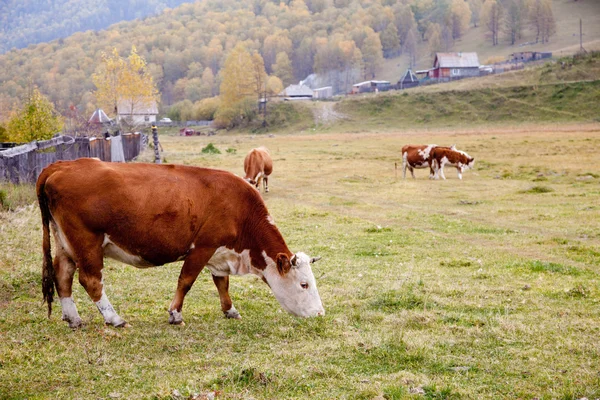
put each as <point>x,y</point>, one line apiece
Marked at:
<point>449,66</point>
<point>409,80</point>
<point>371,86</point>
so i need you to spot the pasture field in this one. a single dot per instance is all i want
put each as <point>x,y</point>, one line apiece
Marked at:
<point>485,288</point>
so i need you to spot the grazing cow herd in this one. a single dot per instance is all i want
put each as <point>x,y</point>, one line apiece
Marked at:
<point>148,215</point>
<point>435,158</point>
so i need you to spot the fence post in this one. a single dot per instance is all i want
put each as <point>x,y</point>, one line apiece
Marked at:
<point>155,138</point>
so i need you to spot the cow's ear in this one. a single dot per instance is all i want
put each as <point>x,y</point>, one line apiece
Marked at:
<point>283,264</point>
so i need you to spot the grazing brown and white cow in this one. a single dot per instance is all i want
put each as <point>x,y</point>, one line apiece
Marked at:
<point>258,165</point>
<point>147,215</point>
<point>442,156</point>
<point>417,156</point>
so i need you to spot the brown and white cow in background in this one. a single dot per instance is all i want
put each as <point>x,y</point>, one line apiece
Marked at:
<point>147,215</point>
<point>442,156</point>
<point>418,156</point>
<point>258,165</point>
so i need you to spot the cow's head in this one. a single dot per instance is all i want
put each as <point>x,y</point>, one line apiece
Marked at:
<point>293,283</point>
<point>251,182</point>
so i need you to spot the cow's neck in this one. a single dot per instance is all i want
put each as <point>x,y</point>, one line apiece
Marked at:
<point>264,241</point>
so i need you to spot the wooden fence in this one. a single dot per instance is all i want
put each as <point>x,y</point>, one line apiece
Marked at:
<point>23,164</point>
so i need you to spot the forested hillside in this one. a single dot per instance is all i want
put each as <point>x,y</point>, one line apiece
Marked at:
<point>25,22</point>
<point>342,41</point>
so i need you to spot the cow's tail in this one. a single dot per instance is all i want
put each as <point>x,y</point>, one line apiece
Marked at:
<point>48,274</point>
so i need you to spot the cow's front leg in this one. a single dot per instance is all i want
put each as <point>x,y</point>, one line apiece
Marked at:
<point>459,170</point>
<point>222,284</point>
<point>192,266</point>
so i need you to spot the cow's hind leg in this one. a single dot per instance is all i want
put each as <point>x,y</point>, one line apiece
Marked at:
<point>192,266</point>
<point>64,270</point>
<point>90,261</point>
<point>222,284</point>
<point>266,182</point>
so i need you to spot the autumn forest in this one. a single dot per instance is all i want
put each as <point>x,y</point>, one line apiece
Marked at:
<point>186,48</point>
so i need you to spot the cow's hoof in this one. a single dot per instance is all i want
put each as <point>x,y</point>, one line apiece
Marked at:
<point>74,323</point>
<point>121,324</point>
<point>175,318</point>
<point>232,313</point>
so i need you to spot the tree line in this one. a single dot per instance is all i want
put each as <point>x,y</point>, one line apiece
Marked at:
<point>186,48</point>
<point>25,22</point>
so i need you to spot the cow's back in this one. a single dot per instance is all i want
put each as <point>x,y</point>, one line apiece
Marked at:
<point>258,161</point>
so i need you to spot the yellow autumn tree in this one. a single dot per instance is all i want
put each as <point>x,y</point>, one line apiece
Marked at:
<point>238,88</point>
<point>36,120</point>
<point>124,84</point>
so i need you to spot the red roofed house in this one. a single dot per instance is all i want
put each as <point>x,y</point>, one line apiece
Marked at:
<point>449,66</point>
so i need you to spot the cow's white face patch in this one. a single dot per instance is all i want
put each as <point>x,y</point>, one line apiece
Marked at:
<point>271,220</point>
<point>116,253</point>
<point>297,290</point>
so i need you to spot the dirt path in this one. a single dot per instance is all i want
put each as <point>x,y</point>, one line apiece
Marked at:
<point>325,114</point>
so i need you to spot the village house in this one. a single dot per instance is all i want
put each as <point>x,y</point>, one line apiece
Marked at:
<point>450,66</point>
<point>408,80</point>
<point>297,92</point>
<point>137,113</point>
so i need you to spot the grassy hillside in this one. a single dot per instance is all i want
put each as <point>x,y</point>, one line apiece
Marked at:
<point>565,91</point>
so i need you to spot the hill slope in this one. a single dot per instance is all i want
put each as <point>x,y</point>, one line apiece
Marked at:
<point>25,22</point>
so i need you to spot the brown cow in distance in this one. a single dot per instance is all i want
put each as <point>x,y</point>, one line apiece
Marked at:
<point>442,156</point>
<point>147,215</point>
<point>258,165</point>
<point>418,156</point>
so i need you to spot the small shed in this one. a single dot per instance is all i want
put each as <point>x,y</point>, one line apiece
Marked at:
<point>526,56</point>
<point>409,80</point>
<point>297,92</point>
<point>137,112</point>
<point>448,66</point>
<point>371,86</point>
<point>323,93</point>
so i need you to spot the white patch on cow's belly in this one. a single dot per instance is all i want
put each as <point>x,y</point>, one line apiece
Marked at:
<point>113,251</point>
<point>227,262</point>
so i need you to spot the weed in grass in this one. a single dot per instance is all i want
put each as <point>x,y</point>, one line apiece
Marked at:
<point>394,392</point>
<point>231,150</point>
<point>433,393</point>
<point>538,189</point>
<point>456,263</point>
<point>579,291</point>
<point>210,149</point>
<point>544,266</point>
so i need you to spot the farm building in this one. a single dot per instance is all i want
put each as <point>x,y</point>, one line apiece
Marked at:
<point>323,93</point>
<point>370,86</point>
<point>408,80</point>
<point>449,66</point>
<point>526,56</point>
<point>297,92</point>
<point>136,112</point>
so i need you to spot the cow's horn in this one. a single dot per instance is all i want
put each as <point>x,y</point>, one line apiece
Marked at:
<point>314,259</point>
<point>293,260</point>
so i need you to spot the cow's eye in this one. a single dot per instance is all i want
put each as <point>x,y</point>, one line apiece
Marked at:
<point>304,285</point>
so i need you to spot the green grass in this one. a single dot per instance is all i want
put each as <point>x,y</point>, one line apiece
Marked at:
<point>14,196</point>
<point>449,289</point>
